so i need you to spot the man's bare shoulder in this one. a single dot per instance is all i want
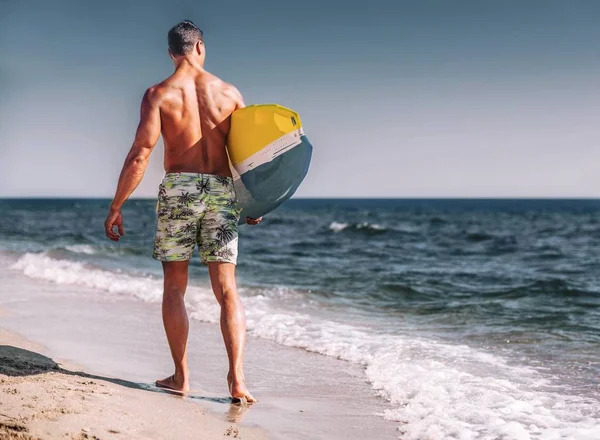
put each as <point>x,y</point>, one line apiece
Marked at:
<point>163,93</point>
<point>232,94</point>
<point>155,94</point>
<point>232,91</point>
<point>216,82</point>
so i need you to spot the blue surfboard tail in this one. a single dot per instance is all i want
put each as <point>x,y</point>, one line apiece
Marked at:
<point>267,186</point>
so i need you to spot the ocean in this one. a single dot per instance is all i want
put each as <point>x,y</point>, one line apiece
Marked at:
<point>468,319</point>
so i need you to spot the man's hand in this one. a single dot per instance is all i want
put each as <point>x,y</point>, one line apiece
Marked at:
<point>253,221</point>
<point>114,218</point>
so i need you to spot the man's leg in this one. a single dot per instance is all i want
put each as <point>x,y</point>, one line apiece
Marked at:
<point>176,323</point>
<point>233,326</point>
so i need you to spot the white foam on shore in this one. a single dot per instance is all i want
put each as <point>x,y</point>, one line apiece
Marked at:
<point>42,267</point>
<point>437,391</point>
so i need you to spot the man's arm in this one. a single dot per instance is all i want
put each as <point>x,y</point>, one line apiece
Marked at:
<point>239,103</point>
<point>146,137</point>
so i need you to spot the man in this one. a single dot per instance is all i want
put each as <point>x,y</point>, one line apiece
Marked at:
<point>197,202</point>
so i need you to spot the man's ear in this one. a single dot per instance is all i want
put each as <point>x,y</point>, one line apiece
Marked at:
<point>171,54</point>
<point>199,47</point>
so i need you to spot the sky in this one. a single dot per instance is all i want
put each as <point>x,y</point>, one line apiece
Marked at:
<point>429,98</point>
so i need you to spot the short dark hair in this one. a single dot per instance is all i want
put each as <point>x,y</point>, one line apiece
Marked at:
<point>183,37</point>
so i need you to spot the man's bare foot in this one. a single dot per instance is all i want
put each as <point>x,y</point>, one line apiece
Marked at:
<point>174,382</point>
<point>239,392</point>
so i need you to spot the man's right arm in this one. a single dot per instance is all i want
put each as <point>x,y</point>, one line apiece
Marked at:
<point>146,137</point>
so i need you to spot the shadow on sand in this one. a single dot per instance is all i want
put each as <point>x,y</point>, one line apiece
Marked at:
<point>18,362</point>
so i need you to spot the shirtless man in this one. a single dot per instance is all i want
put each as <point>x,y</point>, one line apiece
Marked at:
<point>197,202</point>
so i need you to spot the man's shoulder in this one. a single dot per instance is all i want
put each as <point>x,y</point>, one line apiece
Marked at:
<point>230,88</point>
<point>156,93</point>
<point>231,92</point>
<point>217,82</point>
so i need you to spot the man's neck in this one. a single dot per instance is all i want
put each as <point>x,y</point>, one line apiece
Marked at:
<point>188,62</point>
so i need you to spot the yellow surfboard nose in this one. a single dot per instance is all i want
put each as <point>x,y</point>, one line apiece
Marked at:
<point>256,126</point>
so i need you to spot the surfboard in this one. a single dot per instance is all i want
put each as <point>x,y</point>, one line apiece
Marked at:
<point>270,156</point>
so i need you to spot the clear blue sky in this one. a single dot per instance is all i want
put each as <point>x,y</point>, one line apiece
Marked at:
<point>420,98</point>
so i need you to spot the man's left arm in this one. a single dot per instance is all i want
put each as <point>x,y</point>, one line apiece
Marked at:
<point>239,100</point>
<point>146,137</point>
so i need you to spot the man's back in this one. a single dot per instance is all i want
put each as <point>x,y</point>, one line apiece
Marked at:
<point>195,109</point>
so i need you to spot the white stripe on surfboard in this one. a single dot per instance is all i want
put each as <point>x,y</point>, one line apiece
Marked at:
<point>271,151</point>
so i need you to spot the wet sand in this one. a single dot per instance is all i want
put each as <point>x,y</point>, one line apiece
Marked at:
<point>41,399</point>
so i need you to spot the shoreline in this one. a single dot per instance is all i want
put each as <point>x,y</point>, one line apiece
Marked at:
<point>45,399</point>
<point>121,337</point>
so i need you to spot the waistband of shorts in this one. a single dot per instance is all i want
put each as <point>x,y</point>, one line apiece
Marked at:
<point>195,176</point>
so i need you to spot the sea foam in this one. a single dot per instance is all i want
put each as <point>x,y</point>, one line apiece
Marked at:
<point>436,390</point>
<point>340,226</point>
<point>41,266</point>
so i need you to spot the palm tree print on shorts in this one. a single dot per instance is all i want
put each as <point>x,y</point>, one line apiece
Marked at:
<point>186,199</point>
<point>203,186</point>
<point>224,180</point>
<point>197,209</point>
<point>225,233</point>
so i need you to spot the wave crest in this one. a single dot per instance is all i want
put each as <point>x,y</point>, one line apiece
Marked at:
<point>367,227</point>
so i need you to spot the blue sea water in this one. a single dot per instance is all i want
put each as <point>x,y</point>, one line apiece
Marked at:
<point>472,318</point>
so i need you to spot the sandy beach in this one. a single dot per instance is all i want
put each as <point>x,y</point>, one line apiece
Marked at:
<point>79,359</point>
<point>43,399</point>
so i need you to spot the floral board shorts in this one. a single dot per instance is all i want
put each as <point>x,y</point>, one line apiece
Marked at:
<point>197,209</point>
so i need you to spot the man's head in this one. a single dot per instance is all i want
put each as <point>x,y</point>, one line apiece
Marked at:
<point>185,38</point>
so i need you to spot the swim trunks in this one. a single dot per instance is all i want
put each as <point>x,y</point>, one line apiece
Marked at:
<point>197,209</point>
